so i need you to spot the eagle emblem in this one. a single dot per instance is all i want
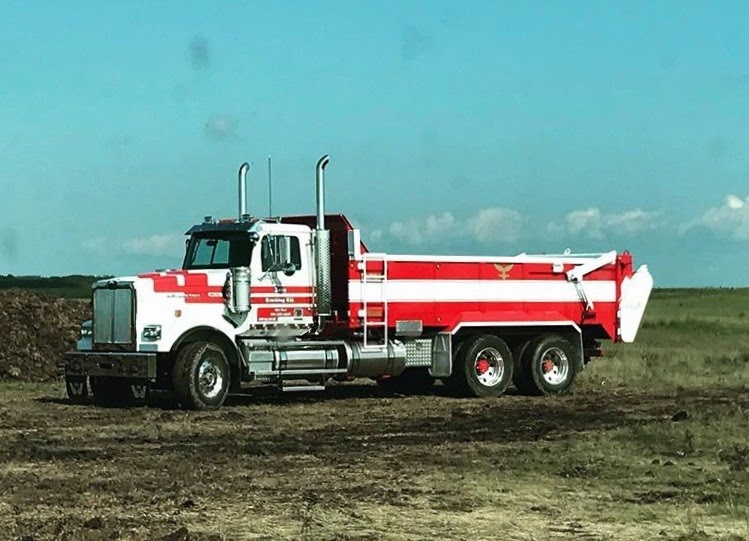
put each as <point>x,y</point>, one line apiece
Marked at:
<point>503,270</point>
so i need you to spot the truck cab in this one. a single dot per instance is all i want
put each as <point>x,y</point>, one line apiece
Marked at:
<point>281,274</point>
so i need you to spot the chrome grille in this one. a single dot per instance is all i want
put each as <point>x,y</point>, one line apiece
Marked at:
<point>113,316</point>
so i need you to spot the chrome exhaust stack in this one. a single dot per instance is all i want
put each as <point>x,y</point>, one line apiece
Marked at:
<point>322,245</point>
<point>320,190</point>
<point>243,190</point>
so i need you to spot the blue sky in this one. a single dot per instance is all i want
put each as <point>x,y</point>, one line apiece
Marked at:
<point>475,127</point>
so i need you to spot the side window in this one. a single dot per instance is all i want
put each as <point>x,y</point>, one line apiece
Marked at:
<point>296,256</point>
<point>271,245</point>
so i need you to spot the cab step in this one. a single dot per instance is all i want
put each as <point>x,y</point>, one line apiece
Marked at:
<point>302,388</point>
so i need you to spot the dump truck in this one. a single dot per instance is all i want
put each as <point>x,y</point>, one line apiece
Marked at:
<point>297,302</point>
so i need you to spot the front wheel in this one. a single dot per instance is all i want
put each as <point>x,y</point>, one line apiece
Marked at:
<point>201,376</point>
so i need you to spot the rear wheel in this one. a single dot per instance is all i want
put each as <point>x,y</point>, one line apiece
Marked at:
<point>550,360</point>
<point>482,366</point>
<point>201,376</point>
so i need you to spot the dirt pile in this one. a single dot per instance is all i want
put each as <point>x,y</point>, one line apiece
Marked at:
<point>35,330</point>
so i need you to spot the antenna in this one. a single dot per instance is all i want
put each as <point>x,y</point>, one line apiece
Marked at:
<point>270,190</point>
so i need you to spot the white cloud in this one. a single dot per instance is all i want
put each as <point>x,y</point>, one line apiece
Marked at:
<point>169,245</point>
<point>508,226</point>
<point>730,219</point>
<point>734,202</point>
<point>416,230</point>
<point>585,221</point>
<point>485,226</point>
<point>496,224</point>
<point>595,224</point>
<point>410,232</point>
<point>439,224</point>
<point>632,221</point>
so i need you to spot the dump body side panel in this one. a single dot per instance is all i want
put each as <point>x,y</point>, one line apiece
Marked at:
<point>440,292</point>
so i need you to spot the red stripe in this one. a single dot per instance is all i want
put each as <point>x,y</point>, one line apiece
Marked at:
<point>282,289</point>
<point>197,291</point>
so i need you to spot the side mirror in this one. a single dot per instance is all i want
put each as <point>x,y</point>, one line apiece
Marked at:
<point>289,269</point>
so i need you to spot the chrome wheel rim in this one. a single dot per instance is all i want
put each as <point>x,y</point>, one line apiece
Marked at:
<point>210,378</point>
<point>489,367</point>
<point>555,366</point>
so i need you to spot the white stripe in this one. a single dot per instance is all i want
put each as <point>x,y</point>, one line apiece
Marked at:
<point>572,259</point>
<point>562,323</point>
<point>481,290</point>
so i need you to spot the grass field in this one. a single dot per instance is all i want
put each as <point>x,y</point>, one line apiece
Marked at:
<point>653,444</point>
<point>696,338</point>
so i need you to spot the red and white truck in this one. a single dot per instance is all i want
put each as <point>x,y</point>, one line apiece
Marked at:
<point>297,301</point>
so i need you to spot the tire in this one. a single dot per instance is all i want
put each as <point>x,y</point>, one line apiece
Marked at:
<point>482,367</point>
<point>521,375</point>
<point>411,381</point>
<point>76,388</point>
<point>550,360</point>
<point>201,376</point>
<point>109,391</point>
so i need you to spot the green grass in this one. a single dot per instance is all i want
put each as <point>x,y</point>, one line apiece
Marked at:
<point>689,338</point>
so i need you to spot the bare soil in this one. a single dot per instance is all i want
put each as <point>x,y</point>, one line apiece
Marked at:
<point>359,463</point>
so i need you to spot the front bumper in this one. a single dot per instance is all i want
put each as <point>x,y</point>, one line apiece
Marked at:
<point>105,363</point>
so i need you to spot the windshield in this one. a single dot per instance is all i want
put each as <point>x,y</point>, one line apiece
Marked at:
<point>218,251</point>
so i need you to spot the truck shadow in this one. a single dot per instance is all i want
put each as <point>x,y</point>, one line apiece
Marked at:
<point>265,395</point>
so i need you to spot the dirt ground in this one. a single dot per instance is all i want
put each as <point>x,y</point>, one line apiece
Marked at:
<point>359,463</point>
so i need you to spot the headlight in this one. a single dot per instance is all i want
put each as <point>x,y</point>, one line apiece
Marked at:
<point>152,332</point>
<point>87,330</point>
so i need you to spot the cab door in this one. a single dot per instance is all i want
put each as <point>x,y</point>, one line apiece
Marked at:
<point>282,293</point>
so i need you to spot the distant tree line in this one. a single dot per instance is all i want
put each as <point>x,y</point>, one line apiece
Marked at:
<point>75,286</point>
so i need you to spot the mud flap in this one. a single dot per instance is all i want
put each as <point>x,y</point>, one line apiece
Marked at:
<point>77,387</point>
<point>139,389</point>
<point>442,355</point>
